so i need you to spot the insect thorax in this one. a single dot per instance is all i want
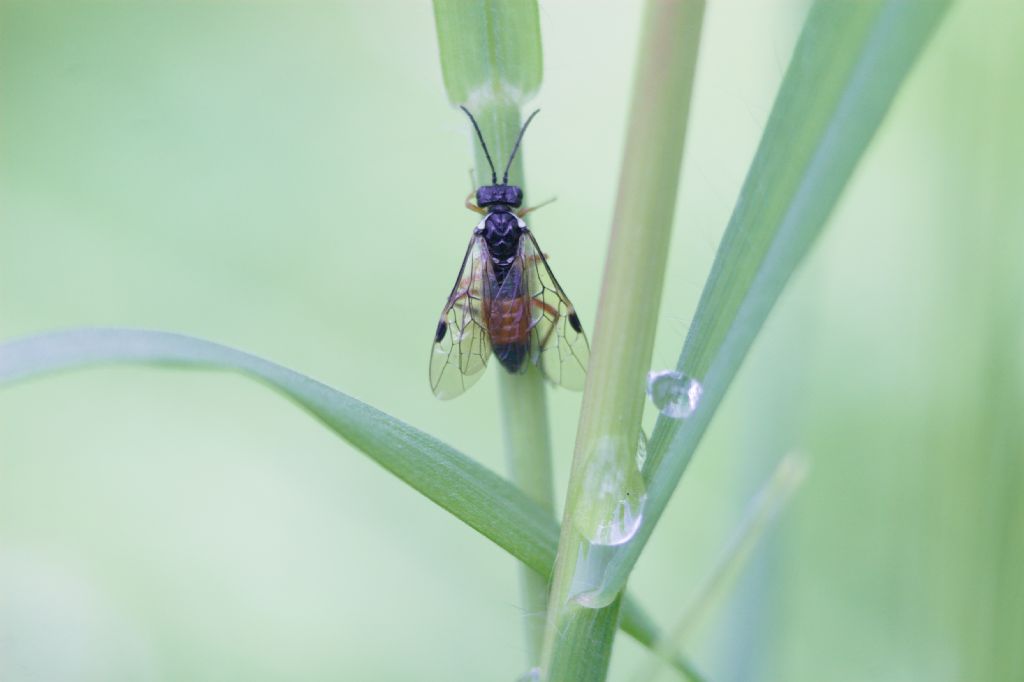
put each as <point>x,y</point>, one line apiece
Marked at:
<point>502,230</point>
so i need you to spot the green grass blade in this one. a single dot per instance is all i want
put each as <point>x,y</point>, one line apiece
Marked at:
<point>488,48</point>
<point>847,67</point>
<point>479,497</point>
<point>470,491</point>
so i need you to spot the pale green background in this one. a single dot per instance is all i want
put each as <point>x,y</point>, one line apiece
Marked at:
<point>288,178</point>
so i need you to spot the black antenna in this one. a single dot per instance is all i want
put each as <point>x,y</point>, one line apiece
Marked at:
<point>494,175</point>
<point>519,139</point>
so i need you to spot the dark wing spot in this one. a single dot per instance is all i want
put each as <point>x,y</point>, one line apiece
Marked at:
<point>442,329</point>
<point>575,322</point>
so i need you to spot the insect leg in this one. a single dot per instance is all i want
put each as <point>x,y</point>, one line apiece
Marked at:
<point>473,207</point>
<point>456,297</point>
<point>551,310</point>
<point>472,190</point>
<point>524,211</point>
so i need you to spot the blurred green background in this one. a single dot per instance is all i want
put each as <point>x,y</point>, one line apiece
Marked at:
<point>288,178</point>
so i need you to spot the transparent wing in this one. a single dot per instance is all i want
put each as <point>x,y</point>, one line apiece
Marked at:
<point>461,343</point>
<point>557,342</point>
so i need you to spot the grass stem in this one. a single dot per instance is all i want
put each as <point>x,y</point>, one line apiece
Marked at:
<point>578,639</point>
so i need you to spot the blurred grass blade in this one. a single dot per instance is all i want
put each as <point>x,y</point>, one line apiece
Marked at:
<point>470,491</point>
<point>775,493</point>
<point>491,47</point>
<point>848,64</point>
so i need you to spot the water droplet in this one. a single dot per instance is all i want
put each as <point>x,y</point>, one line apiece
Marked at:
<point>613,496</point>
<point>673,393</point>
<point>531,675</point>
<point>641,451</point>
<point>588,578</point>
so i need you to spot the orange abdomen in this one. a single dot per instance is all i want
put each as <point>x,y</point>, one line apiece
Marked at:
<point>508,320</point>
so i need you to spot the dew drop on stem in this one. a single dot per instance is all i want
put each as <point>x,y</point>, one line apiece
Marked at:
<point>674,394</point>
<point>613,494</point>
